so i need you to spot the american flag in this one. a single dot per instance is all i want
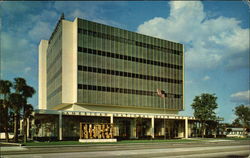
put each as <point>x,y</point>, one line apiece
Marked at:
<point>161,93</point>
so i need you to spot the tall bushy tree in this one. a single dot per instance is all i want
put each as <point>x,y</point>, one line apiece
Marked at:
<point>27,108</point>
<point>16,102</point>
<point>204,106</point>
<point>22,93</point>
<point>243,116</point>
<point>5,87</point>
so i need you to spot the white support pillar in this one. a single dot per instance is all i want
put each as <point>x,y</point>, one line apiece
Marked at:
<point>111,118</point>
<point>33,126</point>
<point>164,127</point>
<point>60,125</point>
<point>133,129</point>
<point>28,127</point>
<point>186,127</point>
<point>153,127</point>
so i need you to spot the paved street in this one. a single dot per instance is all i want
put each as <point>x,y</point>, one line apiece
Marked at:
<point>146,150</point>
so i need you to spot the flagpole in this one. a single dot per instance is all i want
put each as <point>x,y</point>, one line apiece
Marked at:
<point>163,94</point>
<point>164,118</point>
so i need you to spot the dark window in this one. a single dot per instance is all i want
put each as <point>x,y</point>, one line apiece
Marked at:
<point>79,67</point>
<point>104,88</point>
<point>121,56</point>
<point>84,87</point>
<point>125,74</point>
<point>90,51</point>
<point>108,54</point>
<point>99,71</point>
<point>94,69</point>
<point>79,86</point>
<point>79,49</point>
<point>79,30</point>
<point>113,55</point>
<point>121,90</point>
<point>84,68</point>
<point>84,50</point>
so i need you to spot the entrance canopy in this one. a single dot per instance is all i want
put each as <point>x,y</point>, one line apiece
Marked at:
<point>114,114</point>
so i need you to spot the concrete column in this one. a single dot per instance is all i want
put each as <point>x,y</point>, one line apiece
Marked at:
<point>133,128</point>
<point>60,125</point>
<point>28,127</point>
<point>111,118</point>
<point>153,127</point>
<point>186,127</point>
<point>181,129</point>
<point>164,127</point>
<point>33,126</point>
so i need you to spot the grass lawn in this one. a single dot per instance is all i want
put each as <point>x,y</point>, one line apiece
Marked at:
<point>53,143</point>
<point>237,138</point>
<point>118,142</point>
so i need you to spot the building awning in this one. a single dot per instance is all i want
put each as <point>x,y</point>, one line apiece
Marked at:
<point>114,114</point>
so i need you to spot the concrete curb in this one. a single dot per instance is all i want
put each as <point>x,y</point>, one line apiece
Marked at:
<point>10,144</point>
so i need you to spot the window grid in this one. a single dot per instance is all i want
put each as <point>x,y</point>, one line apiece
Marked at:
<point>130,62</point>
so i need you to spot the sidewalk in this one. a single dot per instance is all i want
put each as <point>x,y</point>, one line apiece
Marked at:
<point>13,148</point>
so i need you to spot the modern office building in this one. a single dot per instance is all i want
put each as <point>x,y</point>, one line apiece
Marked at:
<point>91,72</point>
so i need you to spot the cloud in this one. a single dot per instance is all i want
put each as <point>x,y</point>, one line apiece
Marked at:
<point>77,13</point>
<point>13,7</point>
<point>18,56</point>
<point>209,42</point>
<point>27,69</point>
<point>241,97</point>
<point>41,30</point>
<point>80,9</point>
<point>205,78</point>
<point>87,10</point>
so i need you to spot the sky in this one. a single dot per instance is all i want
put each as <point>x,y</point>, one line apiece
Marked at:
<point>215,35</point>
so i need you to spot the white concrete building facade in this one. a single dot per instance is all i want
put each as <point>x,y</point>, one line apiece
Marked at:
<point>90,72</point>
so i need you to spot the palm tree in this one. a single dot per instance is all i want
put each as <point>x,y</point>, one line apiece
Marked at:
<point>5,86</point>
<point>19,84</point>
<point>25,91</point>
<point>28,109</point>
<point>16,102</point>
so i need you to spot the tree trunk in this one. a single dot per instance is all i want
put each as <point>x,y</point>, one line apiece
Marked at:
<point>5,117</point>
<point>202,129</point>
<point>16,122</point>
<point>6,124</point>
<point>24,130</point>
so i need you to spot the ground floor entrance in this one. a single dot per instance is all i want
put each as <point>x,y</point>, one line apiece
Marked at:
<point>65,125</point>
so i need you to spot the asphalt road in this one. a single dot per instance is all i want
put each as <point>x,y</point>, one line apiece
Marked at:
<point>213,149</point>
